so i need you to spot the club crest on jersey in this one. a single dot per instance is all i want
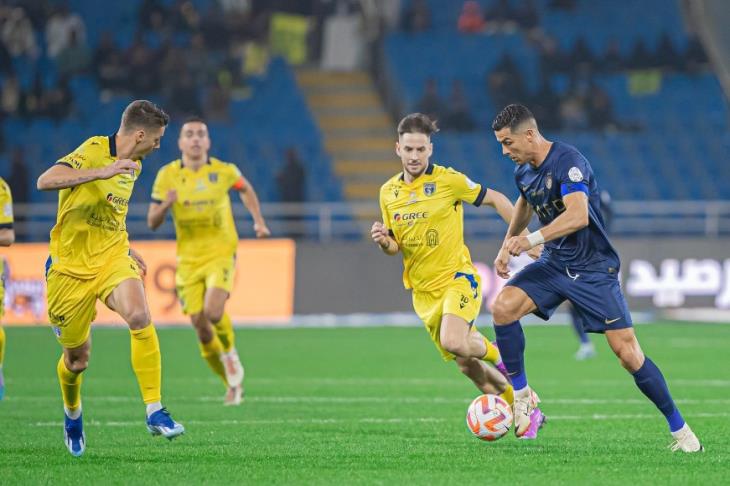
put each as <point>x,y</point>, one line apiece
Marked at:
<point>549,181</point>
<point>213,177</point>
<point>429,188</point>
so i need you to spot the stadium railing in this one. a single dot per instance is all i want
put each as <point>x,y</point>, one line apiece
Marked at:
<point>328,222</point>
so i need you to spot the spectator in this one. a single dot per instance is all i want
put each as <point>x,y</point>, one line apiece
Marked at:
<point>11,95</point>
<point>501,17</point>
<point>505,82</point>
<point>199,60</point>
<point>33,101</point>
<point>546,106</point>
<point>59,30</point>
<point>695,57</point>
<point>291,179</point>
<point>471,19</point>
<point>458,117</point>
<point>6,62</point>
<point>430,103</point>
<point>417,18</point>
<point>74,58</point>
<point>552,59</point>
<point>18,179</point>
<point>151,14</point>
<point>612,61</point>
<point>58,100</point>
<point>573,113</point>
<point>581,53</point>
<point>184,99</point>
<point>527,16</point>
<point>113,73</point>
<point>640,57</point>
<point>666,56</point>
<point>213,26</point>
<point>142,62</point>
<point>600,110</point>
<point>186,17</point>
<point>18,35</point>
<point>217,103</point>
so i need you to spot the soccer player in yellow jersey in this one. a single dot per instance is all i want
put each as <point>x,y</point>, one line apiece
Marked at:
<point>90,259</point>
<point>7,237</point>
<point>196,187</point>
<point>423,219</point>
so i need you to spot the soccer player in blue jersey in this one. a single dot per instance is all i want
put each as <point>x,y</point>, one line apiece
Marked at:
<point>578,264</point>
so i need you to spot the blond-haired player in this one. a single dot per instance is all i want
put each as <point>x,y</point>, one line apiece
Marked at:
<point>195,187</point>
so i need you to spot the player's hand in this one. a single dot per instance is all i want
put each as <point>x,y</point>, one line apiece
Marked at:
<point>501,263</point>
<point>139,261</point>
<point>379,234</point>
<point>517,245</point>
<point>171,197</point>
<point>535,252</point>
<point>122,166</point>
<point>261,230</point>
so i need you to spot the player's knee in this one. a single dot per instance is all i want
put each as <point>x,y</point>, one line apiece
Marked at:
<point>79,363</point>
<point>504,309</point>
<point>455,345</point>
<point>138,319</point>
<point>213,314</point>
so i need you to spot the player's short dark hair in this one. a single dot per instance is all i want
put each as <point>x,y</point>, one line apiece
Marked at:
<point>417,123</point>
<point>512,116</point>
<point>144,114</point>
<point>194,119</point>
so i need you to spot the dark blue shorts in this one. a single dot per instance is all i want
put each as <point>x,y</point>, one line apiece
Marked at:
<point>595,293</point>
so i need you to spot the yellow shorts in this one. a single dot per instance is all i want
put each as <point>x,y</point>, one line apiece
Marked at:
<point>192,282</point>
<point>72,301</point>
<point>462,298</point>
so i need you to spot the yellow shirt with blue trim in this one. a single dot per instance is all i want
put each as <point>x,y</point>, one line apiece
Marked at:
<point>426,219</point>
<point>6,216</point>
<point>202,213</point>
<point>91,225</point>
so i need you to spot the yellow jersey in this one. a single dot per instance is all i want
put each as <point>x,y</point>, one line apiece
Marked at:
<point>91,228</point>
<point>6,216</point>
<point>202,213</point>
<point>426,219</point>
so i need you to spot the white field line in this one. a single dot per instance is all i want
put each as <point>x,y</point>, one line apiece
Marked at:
<point>398,382</point>
<point>369,420</point>
<point>344,400</point>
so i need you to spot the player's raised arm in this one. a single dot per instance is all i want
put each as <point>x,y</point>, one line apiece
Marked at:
<point>251,201</point>
<point>62,175</point>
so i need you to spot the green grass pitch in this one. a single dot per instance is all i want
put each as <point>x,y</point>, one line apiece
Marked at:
<point>364,406</point>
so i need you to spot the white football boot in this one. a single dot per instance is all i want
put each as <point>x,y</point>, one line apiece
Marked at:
<point>686,441</point>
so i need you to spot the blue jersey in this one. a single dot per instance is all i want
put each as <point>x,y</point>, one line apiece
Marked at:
<point>566,170</point>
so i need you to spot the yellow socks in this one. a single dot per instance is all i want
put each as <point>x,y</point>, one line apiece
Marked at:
<point>508,395</point>
<point>224,330</point>
<point>492,355</point>
<point>2,343</point>
<point>146,362</point>
<point>70,385</point>
<point>211,352</point>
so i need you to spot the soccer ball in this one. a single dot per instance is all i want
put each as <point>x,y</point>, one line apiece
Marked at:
<point>489,417</point>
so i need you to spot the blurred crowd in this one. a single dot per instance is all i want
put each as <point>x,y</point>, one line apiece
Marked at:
<point>584,105</point>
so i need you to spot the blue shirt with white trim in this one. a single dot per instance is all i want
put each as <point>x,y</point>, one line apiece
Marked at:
<point>566,170</point>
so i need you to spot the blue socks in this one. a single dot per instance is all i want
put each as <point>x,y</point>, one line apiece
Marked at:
<point>651,383</point>
<point>511,342</point>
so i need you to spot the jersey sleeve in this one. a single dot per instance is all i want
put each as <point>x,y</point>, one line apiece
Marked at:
<point>464,188</point>
<point>6,206</point>
<point>80,158</point>
<point>233,177</point>
<point>573,174</point>
<point>160,187</point>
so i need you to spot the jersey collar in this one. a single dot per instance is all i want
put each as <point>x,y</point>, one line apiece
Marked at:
<point>207,162</point>
<point>113,144</point>
<point>428,171</point>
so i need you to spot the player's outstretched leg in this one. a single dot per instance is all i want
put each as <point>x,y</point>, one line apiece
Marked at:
<point>129,301</point>
<point>511,304</point>
<point>586,350</point>
<point>69,369</point>
<point>651,382</point>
